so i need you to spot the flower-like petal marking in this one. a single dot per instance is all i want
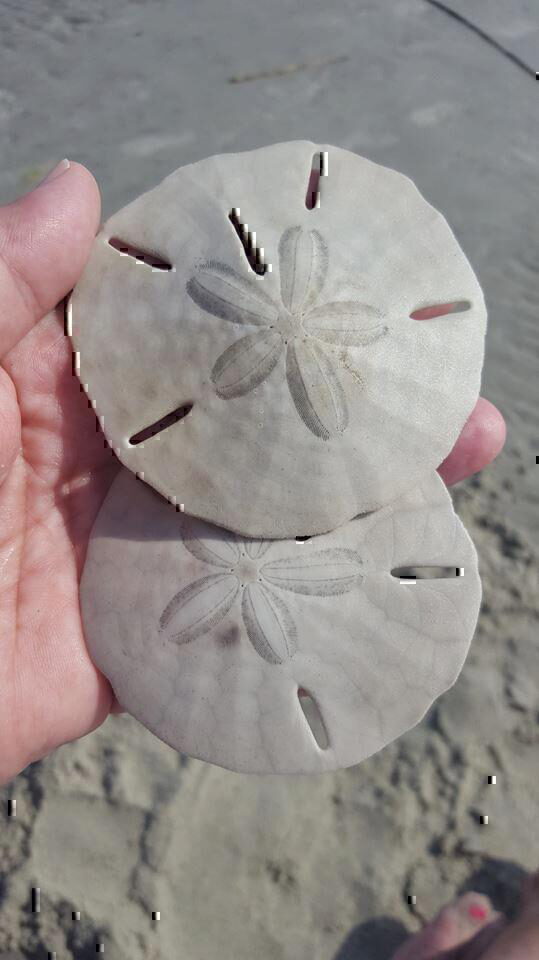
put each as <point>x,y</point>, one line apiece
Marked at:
<point>199,607</point>
<point>316,389</point>
<point>257,548</point>
<point>246,363</point>
<point>269,624</point>
<point>303,266</point>
<point>313,380</point>
<point>325,573</point>
<point>345,323</point>
<point>217,551</point>
<point>225,293</point>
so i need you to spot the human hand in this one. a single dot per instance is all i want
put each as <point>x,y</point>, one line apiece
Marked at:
<point>54,473</point>
<point>55,470</point>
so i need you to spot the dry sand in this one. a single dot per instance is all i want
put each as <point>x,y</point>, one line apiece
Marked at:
<point>337,867</point>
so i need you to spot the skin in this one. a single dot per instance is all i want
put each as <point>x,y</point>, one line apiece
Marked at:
<point>55,471</point>
<point>470,929</point>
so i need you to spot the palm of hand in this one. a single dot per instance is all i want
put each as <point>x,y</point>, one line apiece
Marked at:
<point>50,690</point>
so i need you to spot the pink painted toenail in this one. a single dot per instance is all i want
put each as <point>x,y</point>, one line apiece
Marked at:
<point>477,912</point>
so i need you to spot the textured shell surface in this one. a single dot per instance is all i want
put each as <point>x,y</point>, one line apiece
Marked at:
<point>314,394</point>
<point>213,640</point>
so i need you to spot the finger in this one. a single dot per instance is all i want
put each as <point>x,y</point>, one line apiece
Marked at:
<point>45,241</point>
<point>480,441</point>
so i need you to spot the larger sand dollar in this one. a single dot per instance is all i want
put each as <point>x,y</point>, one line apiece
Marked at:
<point>216,642</point>
<point>288,333</point>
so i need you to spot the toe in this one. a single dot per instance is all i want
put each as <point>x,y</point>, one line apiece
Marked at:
<point>456,924</point>
<point>461,920</point>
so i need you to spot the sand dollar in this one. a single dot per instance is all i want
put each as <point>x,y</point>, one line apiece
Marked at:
<point>259,359</point>
<point>278,656</point>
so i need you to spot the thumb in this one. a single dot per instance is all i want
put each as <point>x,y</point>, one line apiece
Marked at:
<point>45,241</point>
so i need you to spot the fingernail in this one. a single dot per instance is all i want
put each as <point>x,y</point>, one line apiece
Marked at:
<point>477,912</point>
<point>56,171</point>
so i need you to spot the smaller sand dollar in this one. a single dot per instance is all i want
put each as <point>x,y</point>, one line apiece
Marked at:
<point>268,656</point>
<point>268,363</point>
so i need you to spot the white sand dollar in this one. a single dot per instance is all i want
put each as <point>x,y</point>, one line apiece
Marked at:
<point>313,393</point>
<point>208,637</point>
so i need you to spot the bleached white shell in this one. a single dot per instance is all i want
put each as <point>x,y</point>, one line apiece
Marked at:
<point>315,394</point>
<point>206,636</point>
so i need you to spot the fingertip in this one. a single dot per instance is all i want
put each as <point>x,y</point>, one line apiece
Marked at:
<point>493,428</point>
<point>75,191</point>
<point>481,440</point>
<point>485,436</point>
<point>74,179</point>
<point>90,186</point>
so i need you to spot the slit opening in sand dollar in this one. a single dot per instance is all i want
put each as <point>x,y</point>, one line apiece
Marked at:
<point>433,310</point>
<point>313,717</point>
<point>247,238</point>
<point>319,168</point>
<point>141,256</point>
<point>302,539</point>
<point>179,413</point>
<point>411,574</point>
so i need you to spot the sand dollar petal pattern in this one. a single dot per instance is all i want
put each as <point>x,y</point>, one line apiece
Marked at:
<point>303,265</point>
<point>246,363</point>
<point>218,548</point>
<point>257,548</point>
<point>212,659</point>
<point>324,573</point>
<point>346,323</point>
<point>225,293</point>
<point>316,390</point>
<point>310,353</point>
<point>269,623</point>
<point>199,607</point>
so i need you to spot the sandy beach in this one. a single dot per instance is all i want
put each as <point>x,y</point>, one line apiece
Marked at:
<point>156,855</point>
